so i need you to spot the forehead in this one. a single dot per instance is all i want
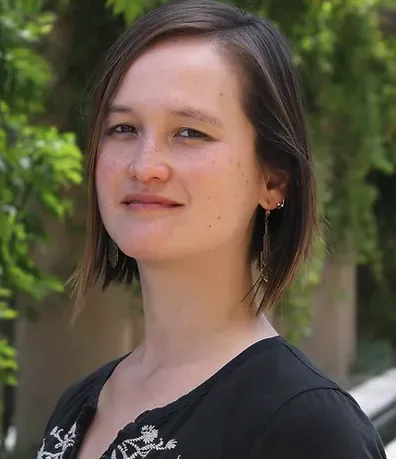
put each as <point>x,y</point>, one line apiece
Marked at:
<point>182,71</point>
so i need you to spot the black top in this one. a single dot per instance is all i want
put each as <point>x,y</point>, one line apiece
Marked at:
<point>270,402</point>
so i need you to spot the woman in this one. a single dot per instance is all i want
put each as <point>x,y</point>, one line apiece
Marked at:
<point>201,188</point>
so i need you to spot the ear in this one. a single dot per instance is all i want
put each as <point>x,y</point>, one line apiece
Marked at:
<point>273,188</point>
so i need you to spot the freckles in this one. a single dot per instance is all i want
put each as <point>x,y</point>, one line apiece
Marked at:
<point>111,164</point>
<point>107,171</point>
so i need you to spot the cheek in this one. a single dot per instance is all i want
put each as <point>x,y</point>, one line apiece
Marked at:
<point>236,176</point>
<point>106,172</point>
<point>227,184</point>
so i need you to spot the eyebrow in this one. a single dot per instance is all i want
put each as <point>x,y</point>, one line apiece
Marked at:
<point>189,112</point>
<point>119,109</point>
<point>185,112</point>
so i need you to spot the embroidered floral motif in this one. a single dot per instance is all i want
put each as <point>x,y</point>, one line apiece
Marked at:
<point>58,449</point>
<point>141,446</point>
<point>131,448</point>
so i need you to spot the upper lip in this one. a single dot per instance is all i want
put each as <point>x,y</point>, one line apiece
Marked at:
<point>150,199</point>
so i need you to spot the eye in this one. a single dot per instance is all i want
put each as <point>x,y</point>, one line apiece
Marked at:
<point>189,133</point>
<point>121,129</point>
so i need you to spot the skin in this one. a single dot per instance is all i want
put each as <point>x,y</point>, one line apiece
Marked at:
<point>193,260</point>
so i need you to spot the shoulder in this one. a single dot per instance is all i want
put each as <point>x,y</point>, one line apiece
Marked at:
<point>78,394</point>
<point>274,373</point>
<point>286,407</point>
<point>324,423</point>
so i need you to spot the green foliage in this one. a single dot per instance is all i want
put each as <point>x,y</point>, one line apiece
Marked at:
<point>349,80</point>
<point>348,73</point>
<point>377,290</point>
<point>373,357</point>
<point>36,161</point>
<point>132,10</point>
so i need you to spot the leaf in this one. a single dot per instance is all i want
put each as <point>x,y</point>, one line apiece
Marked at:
<point>8,314</point>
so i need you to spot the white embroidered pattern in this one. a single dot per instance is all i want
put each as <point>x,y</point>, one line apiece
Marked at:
<point>131,448</point>
<point>59,448</point>
<point>148,441</point>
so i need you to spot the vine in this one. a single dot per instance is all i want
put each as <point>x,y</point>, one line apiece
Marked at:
<point>36,163</point>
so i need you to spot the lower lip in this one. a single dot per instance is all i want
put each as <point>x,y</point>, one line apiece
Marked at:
<point>150,206</point>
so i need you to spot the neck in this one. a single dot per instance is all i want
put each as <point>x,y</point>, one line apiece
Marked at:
<point>198,306</point>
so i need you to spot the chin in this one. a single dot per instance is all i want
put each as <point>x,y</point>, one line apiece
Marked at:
<point>142,250</point>
<point>149,243</point>
<point>144,254</point>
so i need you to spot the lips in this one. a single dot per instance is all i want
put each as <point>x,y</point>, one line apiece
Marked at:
<point>149,201</point>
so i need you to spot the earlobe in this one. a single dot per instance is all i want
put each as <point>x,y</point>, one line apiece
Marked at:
<point>274,190</point>
<point>274,184</point>
<point>273,199</point>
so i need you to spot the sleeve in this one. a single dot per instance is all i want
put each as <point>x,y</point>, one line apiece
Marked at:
<point>320,424</point>
<point>76,395</point>
<point>73,395</point>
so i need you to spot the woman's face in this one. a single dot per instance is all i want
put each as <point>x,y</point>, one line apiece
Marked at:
<point>177,173</point>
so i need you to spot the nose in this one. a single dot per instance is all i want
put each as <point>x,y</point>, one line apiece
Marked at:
<point>150,165</point>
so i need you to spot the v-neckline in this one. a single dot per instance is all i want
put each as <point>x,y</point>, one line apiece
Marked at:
<point>89,410</point>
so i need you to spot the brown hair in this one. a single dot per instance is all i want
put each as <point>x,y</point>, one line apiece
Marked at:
<point>273,105</point>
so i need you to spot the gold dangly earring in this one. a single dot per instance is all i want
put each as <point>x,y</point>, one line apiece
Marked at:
<point>113,253</point>
<point>266,249</point>
<point>265,252</point>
